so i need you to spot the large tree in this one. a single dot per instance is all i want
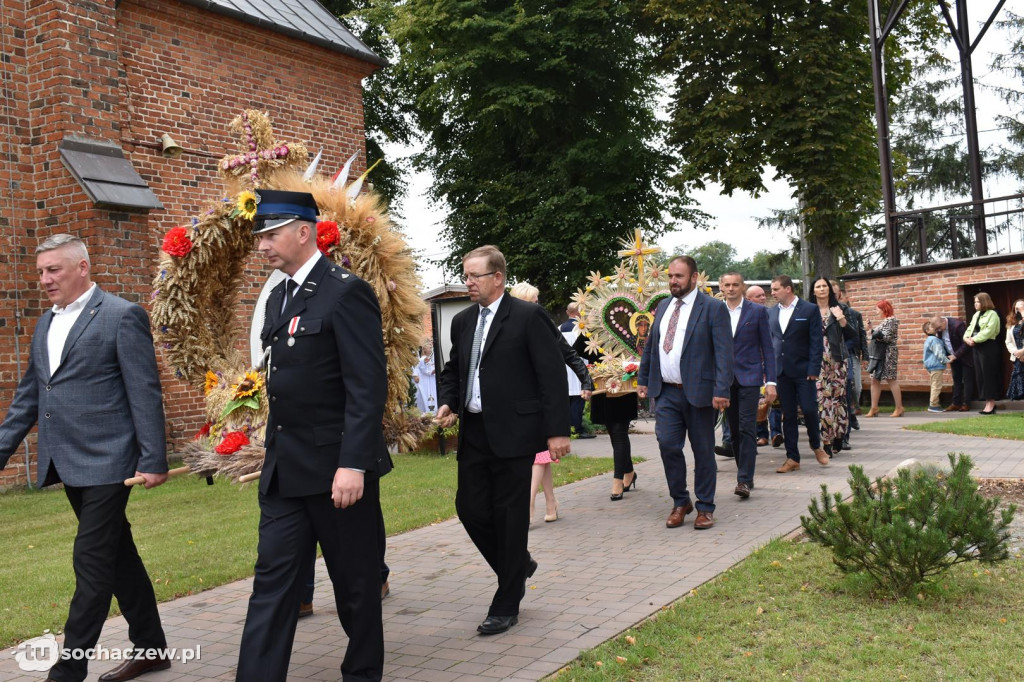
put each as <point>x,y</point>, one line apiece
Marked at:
<point>386,107</point>
<point>783,84</point>
<point>540,129</point>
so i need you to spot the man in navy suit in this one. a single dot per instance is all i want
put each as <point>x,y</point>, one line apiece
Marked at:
<point>687,367</point>
<point>951,331</point>
<point>753,367</point>
<point>795,325</point>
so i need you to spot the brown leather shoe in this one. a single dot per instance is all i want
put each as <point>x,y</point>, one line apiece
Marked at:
<point>385,590</point>
<point>858,412</point>
<point>778,440</point>
<point>952,408</point>
<point>703,521</point>
<point>761,442</point>
<point>742,490</point>
<point>129,670</point>
<point>821,456</point>
<point>965,408</point>
<point>305,609</point>
<point>790,465</point>
<point>678,515</point>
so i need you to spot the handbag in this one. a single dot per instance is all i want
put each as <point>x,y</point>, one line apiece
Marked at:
<point>876,355</point>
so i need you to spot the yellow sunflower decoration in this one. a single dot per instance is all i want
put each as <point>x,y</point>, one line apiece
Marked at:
<point>246,204</point>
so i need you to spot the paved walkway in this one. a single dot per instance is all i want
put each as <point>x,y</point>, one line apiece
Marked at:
<point>604,566</point>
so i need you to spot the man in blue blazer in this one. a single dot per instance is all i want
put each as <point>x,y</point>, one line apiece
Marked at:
<point>687,367</point>
<point>93,388</point>
<point>795,325</point>
<point>753,367</point>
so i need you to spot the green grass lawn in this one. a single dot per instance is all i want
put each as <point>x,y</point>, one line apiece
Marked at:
<point>1009,425</point>
<point>786,613</point>
<point>191,536</point>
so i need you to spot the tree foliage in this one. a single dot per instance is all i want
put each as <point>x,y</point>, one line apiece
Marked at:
<point>540,129</point>
<point>716,258</point>
<point>386,106</point>
<point>786,84</point>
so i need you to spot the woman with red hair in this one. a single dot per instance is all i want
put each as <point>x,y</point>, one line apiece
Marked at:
<point>886,333</point>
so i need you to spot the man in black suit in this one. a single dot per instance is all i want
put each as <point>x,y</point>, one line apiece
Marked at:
<point>327,386</point>
<point>961,360</point>
<point>506,381</point>
<point>796,331</point>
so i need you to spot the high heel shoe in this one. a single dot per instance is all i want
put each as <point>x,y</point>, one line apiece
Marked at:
<point>873,412</point>
<point>632,483</point>
<point>898,412</point>
<point>548,518</point>
<point>617,489</point>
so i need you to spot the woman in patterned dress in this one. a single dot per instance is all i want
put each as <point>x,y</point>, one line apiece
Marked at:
<point>832,411</point>
<point>888,333</point>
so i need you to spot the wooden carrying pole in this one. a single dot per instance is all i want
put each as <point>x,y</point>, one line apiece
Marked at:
<point>139,480</point>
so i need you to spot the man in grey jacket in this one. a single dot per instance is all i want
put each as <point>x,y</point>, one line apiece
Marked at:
<point>93,388</point>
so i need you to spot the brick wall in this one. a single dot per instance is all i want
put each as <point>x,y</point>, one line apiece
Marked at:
<point>127,72</point>
<point>920,292</point>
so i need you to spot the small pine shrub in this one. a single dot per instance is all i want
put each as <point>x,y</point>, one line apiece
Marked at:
<point>905,530</point>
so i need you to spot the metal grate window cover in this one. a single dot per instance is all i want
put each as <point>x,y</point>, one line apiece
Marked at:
<point>106,176</point>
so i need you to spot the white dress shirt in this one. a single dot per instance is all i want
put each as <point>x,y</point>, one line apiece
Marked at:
<point>475,404</point>
<point>786,313</point>
<point>671,373</point>
<point>60,326</point>
<point>734,315</point>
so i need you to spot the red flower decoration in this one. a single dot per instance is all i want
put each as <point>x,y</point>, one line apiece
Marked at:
<point>205,431</point>
<point>631,367</point>
<point>232,443</point>
<point>326,235</point>
<point>177,242</point>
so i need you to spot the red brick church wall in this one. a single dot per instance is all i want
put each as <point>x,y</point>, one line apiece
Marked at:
<point>126,72</point>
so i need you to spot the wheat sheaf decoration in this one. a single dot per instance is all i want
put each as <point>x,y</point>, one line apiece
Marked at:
<point>202,268</point>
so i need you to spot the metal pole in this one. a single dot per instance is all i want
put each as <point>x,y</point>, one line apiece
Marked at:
<point>971,123</point>
<point>892,252</point>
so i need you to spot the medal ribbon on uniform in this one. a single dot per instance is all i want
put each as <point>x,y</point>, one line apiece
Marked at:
<point>292,326</point>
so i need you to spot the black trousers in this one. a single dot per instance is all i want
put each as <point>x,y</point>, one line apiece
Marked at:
<point>618,434</point>
<point>742,415</point>
<point>963,382</point>
<point>289,529</point>
<point>493,503</point>
<point>106,565</point>
<point>576,405</point>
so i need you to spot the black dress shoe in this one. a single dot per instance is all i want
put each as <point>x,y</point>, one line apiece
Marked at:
<point>494,625</point>
<point>131,669</point>
<point>585,435</point>
<point>724,450</point>
<point>846,445</point>
<point>531,567</point>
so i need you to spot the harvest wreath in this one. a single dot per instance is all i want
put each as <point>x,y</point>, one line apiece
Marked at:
<point>202,267</point>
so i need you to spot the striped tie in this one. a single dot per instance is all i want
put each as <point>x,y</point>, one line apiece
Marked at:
<point>474,355</point>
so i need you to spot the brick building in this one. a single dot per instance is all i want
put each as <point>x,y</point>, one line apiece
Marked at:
<point>87,81</point>
<point>919,292</point>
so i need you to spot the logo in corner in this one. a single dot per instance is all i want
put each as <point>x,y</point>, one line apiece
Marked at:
<point>39,653</point>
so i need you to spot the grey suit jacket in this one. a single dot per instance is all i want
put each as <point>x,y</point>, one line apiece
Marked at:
<point>100,414</point>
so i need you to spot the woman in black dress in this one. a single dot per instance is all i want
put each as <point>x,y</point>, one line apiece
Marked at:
<point>616,414</point>
<point>982,334</point>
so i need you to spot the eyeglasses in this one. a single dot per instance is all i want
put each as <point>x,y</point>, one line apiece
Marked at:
<point>474,278</point>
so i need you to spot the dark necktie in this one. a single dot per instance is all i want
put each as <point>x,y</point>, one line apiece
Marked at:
<point>289,293</point>
<point>673,322</point>
<point>474,355</point>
